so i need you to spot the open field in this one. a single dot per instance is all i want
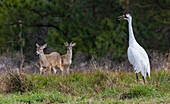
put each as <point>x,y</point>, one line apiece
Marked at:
<point>99,86</point>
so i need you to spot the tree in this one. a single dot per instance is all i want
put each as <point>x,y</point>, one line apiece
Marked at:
<point>92,24</point>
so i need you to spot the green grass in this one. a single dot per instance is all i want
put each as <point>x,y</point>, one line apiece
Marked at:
<point>96,87</point>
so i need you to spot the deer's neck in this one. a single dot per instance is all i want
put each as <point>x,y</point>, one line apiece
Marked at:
<point>69,54</point>
<point>132,39</point>
<point>42,57</point>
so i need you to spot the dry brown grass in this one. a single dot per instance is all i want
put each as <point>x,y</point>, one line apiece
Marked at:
<point>82,62</point>
<point>158,61</point>
<point>15,82</point>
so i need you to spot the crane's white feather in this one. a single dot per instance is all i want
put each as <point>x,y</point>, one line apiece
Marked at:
<point>137,56</point>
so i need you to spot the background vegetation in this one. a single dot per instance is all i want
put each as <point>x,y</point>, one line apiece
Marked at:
<point>92,24</point>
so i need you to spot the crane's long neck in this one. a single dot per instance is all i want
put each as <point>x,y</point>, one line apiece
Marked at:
<point>132,39</point>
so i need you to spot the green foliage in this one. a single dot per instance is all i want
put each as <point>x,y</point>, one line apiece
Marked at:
<point>93,25</point>
<point>141,91</point>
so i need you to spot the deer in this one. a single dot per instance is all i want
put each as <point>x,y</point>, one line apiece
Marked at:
<point>66,59</point>
<point>48,61</point>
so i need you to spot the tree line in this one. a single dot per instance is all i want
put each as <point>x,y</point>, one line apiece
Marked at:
<point>92,24</point>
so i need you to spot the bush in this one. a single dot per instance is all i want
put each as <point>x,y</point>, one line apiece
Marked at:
<point>15,82</point>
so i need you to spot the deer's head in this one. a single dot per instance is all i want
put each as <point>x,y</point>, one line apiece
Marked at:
<point>40,48</point>
<point>69,46</point>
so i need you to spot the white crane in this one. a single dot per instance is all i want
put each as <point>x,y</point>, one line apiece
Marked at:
<point>137,56</point>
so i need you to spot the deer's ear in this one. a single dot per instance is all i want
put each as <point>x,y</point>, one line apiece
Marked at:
<point>45,45</point>
<point>37,45</point>
<point>73,44</point>
<point>66,44</point>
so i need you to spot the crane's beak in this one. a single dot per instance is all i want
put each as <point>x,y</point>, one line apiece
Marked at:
<point>121,17</point>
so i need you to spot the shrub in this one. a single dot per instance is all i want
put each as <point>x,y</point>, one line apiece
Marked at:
<point>15,82</point>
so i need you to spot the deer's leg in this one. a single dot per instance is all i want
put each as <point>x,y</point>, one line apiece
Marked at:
<point>62,69</point>
<point>45,70</point>
<point>68,69</point>
<point>41,68</point>
<point>49,71</point>
<point>54,70</point>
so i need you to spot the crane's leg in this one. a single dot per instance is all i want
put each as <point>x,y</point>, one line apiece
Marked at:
<point>137,77</point>
<point>143,79</point>
<point>147,74</point>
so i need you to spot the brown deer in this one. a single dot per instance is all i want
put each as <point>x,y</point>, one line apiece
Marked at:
<point>66,59</point>
<point>48,61</point>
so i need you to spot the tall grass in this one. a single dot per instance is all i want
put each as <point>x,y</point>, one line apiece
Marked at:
<point>97,86</point>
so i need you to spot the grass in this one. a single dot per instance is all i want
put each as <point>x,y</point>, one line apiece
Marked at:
<point>97,87</point>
